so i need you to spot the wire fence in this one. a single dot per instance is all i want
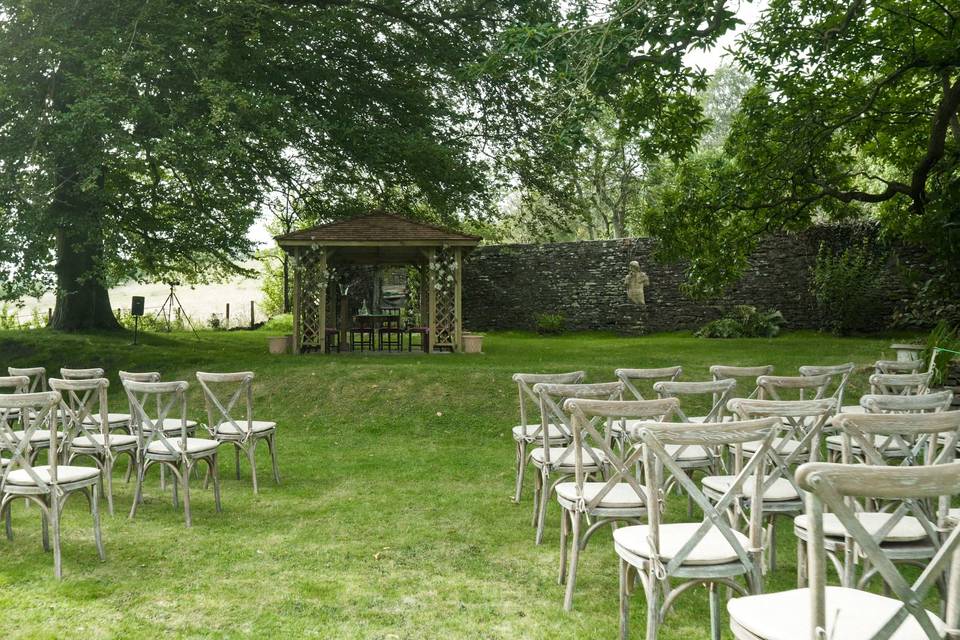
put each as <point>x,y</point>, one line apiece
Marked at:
<point>159,316</point>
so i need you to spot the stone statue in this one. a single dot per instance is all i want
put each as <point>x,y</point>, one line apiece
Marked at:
<point>635,281</point>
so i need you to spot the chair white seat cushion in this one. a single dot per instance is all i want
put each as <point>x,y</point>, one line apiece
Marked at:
<point>781,490</point>
<point>38,436</point>
<point>884,444</point>
<point>713,548</point>
<point>65,475</point>
<point>692,452</point>
<point>553,432</point>
<point>259,426</point>
<point>112,418</point>
<point>170,425</point>
<point>538,457</point>
<point>784,446</point>
<point>194,445</point>
<point>851,615</point>
<point>96,439</point>
<point>907,529</point>
<point>621,496</point>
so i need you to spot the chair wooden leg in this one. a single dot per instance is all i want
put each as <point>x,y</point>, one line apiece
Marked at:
<point>8,518</point>
<point>574,561</point>
<point>236,453</point>
<point>542,507</point>
<point>215,471</point>
<point>714,596</point>
<point>185,481</point>
<point>44,530</point>
<point>624,598</point>
<point>521,460</point>
<point>272,446</point>
<point>801,564</point>
<point>55,534</point>
<point>537,479</point>
<point>138,490</point>
<point>95,511</point>
<point>564,531</point>
<point>108,480</point>
<point>252,457</point>
<point>653,605</point>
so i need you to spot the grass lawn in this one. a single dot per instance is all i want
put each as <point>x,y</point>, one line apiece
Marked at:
<point>394,518</point>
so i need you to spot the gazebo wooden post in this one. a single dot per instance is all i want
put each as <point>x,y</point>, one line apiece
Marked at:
<point>323,280</point>
<point>297,306</point>
<point>431,299</point>
<point>458,342</point>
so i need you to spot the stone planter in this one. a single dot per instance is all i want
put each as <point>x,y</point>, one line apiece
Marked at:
<point>279,344</point>
<point>472,343</point>
<point>907,352</point>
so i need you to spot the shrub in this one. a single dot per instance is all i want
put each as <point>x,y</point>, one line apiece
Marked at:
<point>944,336</point>
<point>551,323</point>
<point>845,286</point>
<point>934,300</point>
<point>744,321</point>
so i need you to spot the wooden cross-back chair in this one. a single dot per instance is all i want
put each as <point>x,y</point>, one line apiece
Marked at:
<point>48,486</point>
<point>37,376</point>
<point>910,534</point>
<point>40,437</point>
<point>169,424</point>
<point>638,383</point>
<point>839,377</point>
<point>726,372</point>
<point>898,366</point>
<point>619,496</point>
<point>711,551</point>
<point>551,460</point>
<point>871,403</point>
<point>794,387</point>
<point>83,412</point>
<point>171,450</point>
<point>225,426</point>
<point>719,391</point>
<point>900,384</point>
<point>823,612</point>
<point>89,373</point>
<point>528,432</point>
<point>800,424</point>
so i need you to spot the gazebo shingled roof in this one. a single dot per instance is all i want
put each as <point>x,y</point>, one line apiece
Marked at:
<point>379,238</point>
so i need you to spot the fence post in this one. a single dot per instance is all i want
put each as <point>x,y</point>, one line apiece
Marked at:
<point>251,314</point>
<point>49,316</point>
<point>228,316</point>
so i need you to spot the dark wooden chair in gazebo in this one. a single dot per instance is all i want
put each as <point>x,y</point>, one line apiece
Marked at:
<point>378,239</point>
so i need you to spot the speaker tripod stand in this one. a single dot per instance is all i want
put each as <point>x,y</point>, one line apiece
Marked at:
<point>167,311</point>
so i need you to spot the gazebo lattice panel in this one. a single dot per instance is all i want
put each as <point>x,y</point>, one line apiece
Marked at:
<point>312,267</point>
<point>445,336</point>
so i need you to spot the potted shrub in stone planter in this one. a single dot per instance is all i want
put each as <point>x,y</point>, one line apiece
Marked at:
<point>279,344</point>
<point>473,343</point>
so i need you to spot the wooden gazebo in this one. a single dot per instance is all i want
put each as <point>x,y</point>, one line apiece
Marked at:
<point>377,239</point>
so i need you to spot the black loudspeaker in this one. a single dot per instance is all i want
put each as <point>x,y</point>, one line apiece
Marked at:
<point>136,307</point>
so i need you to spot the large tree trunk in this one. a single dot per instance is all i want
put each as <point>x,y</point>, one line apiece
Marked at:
<point>83,302</point>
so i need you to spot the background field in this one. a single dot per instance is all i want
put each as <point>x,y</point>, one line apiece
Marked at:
<point>394,518</point>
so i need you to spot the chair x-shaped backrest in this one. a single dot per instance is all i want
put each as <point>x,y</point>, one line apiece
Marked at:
<point>719,392</point>
<point>34,411</point>
<point>910,440</point>
<point>725,372</point>
<point>81,374</point>
<point>839,374</point>
<point>836,487</point>
<point>800,422</point>
<point>794,387</point>
<point>586,415</point>
<point>13,384</point>
<point>552,397</point>
<point>218,412</point>
<point>140,376</point>
<point>525,383</point>
<point>83,410</point>
<point>632,378</point>
<point>659,464</point>
<point>900,384</point>
<point>925,403</point>
<point>898,366</point>
<point>37,376</point>
<point>170,399</point>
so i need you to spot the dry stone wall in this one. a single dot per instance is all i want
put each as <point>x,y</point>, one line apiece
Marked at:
<point>507,286</point>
